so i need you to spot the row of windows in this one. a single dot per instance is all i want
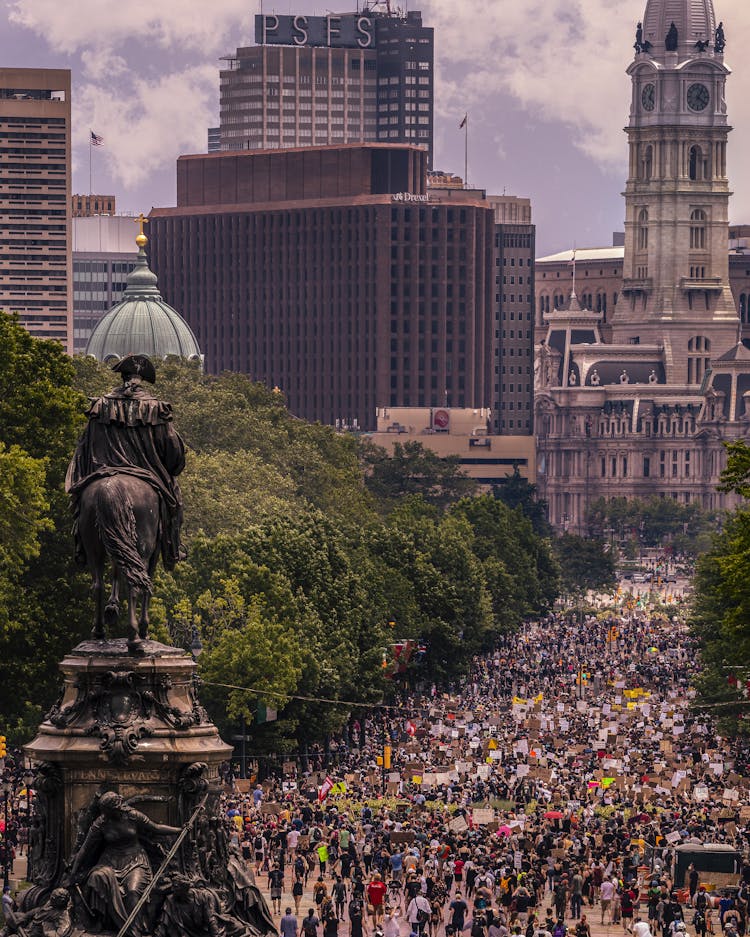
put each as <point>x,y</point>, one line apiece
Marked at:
<point>677,464</point>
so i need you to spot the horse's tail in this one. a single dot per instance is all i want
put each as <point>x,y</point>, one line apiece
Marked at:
<point>115,521</point>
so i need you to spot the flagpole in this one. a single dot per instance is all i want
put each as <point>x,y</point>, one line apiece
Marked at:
<point>574,270</point>
<point>466,153</point>
<point>91,149</point>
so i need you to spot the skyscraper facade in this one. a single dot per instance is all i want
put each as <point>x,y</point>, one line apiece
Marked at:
<point>35,202</point>
<point>333,273</point>
<point>515,239</point>
<point>349,78</point>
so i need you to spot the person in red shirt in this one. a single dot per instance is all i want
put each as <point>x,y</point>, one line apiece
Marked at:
<point>376,897</point>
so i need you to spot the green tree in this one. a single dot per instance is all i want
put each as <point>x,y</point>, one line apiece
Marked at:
<point>517,492</point>
<point>248,648</point>
<point>721,612</point>
<point>584,564</point>
<point>40,417</point>
<point>654,522</point>
<point>518,562</point>
<point>414,469</point>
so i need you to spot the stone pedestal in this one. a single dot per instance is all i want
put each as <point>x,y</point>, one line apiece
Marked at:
<point>133,725</point>
<point>124,723</point>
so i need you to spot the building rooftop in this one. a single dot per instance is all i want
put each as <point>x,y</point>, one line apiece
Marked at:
<point>583,254</point>
<point>142,323</point>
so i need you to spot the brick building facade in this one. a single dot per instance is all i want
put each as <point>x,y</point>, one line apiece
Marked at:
<point>334,274</point>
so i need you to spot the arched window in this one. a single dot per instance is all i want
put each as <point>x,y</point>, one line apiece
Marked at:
<point>698,220</point>
<point>698,358</point>
<point>601,302</point>
<point>743,308</point>
<point>643,229</point>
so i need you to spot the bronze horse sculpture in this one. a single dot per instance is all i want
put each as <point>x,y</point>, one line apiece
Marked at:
<point>126,502</point>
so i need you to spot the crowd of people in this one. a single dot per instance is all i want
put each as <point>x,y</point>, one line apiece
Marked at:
<point>547,795</point>
<point>559,789</point>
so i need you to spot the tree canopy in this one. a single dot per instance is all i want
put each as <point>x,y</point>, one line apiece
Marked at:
<point>721,608</point>
<point>311,553</point>
<point>584,564</point>
<point>654,522</point>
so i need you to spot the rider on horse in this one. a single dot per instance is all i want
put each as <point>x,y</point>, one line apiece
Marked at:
<point>130,432</point>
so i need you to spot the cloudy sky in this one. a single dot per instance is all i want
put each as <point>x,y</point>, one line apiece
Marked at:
<point>543,80</point>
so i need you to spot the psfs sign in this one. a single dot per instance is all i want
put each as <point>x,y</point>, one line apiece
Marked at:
<point>340,31</point>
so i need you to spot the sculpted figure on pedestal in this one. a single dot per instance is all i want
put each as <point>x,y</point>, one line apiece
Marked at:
<point>126,503</point>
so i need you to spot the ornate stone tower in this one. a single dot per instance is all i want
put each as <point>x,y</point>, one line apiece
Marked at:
<point>676,274</point>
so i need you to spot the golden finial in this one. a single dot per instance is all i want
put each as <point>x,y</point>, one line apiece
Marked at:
<point>141,240</point>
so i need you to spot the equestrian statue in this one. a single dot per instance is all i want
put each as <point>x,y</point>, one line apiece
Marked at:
<point>126,503</point>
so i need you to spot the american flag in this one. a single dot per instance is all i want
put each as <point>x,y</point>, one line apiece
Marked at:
<point>96,140</point>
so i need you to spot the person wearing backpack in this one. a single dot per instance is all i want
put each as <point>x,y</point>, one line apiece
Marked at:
<point>356,912</point>
<point>259,848</point>
<point>560,930</point>
<point>310,924</point>
<point>418,913</point>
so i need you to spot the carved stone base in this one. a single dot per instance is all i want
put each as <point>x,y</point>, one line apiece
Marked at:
<point>124,723</point>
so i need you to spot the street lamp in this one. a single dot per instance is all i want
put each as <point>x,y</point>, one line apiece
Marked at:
<point>28,779</point>
<point>7,788</point>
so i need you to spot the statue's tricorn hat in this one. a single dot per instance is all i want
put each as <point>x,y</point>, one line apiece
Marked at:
<point>136,364</point>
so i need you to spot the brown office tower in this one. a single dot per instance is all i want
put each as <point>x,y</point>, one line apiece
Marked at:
<point>331,273</point>
<point>35,198</point>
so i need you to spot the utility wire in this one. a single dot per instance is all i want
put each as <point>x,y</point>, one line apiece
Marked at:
<point>313,699</point>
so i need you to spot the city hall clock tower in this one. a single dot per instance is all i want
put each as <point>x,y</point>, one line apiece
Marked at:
<point>676,290</point>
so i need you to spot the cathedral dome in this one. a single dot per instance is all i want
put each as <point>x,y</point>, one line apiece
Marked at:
<point>142,323</point>
<point>695,21</point>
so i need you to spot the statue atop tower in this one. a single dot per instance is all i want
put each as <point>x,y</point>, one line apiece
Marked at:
<point>676,269</point>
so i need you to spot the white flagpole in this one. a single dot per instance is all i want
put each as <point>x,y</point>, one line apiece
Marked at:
<point>91,159</point>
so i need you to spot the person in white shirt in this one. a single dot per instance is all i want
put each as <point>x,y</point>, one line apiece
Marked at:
<point>606,894</point>
<point>641,928</point>
<point>390,923</point>
<point>418,913</point>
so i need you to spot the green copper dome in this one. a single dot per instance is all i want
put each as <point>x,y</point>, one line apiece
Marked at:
<point>142,323</point>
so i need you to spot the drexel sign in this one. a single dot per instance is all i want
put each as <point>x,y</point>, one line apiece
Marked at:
<point>340,31</point>
<point>409,197</point>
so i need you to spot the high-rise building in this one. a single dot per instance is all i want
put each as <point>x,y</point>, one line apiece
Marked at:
<point>35,197</point>
<point>103,256</point>
<point>515,239</point>
<point>512,408</point>
<point>86,206</point>
<point>329,80</point>
<point>647,410</point>
<point>335,274</point>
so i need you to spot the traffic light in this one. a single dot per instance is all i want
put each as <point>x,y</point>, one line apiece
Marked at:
<point>387,757</point>
<point>3,747</point>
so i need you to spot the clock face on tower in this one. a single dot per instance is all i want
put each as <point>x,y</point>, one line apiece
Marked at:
<point>648,98</point>
<point>698,97</point>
